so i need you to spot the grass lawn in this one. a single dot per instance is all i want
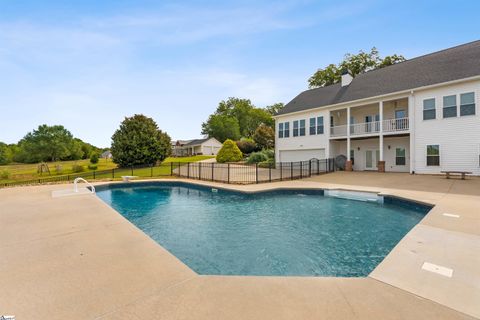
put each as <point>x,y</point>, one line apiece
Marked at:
<point>23,171</point>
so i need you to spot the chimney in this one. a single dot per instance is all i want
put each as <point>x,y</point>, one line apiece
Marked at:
<point>346,78</point>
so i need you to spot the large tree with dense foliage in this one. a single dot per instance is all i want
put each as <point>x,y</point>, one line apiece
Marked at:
<point>139,141</point>
<point>354,64</point>
<point>47,143</point>
<point>264,136</point>
<point>222,126</point>
<point>4,156</point>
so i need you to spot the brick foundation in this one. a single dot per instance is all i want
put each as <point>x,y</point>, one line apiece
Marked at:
<point>348,165</point>
<point>381,166</point>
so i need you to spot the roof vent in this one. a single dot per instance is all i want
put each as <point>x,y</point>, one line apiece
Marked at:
<point>346,78</point>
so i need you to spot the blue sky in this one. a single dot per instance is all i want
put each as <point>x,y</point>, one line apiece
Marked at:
<point>88,64</point>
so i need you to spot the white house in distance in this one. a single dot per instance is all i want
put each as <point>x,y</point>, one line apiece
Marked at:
<point>418,116</point>
<point>206,146</point>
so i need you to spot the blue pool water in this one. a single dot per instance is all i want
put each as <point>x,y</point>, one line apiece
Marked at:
<point>298,233</point>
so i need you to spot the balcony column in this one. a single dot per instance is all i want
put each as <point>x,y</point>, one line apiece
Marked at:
<point>348,164</point>
<point>381,162</point>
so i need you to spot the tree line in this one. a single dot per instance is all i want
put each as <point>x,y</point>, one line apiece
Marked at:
<point>47,143</point>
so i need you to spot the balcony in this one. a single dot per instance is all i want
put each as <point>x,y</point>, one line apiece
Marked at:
<point>371,128</point>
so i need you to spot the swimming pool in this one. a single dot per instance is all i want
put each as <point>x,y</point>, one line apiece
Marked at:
<point>275,233</point>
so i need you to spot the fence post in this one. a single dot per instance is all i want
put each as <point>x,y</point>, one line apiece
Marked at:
<point>270,172</point>
<point>68,178</point>
<point>93,174</point>
<point>310,168</point>
<point>228,172</point>
<point>113,173</point>
<point>291,170</point>
<point>301,169</point>
<point>171,168</point>
<point>199,170</point>
<point>131,170</point>
<point>151,170</point>
<point>281,171</point>
<point>256,172</point>
<point>212,169</point>
<point>188,170</point>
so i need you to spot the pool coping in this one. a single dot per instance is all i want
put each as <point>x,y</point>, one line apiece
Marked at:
<point>383,274</point>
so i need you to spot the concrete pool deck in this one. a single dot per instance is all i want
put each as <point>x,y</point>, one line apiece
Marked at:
<point>77,258</point>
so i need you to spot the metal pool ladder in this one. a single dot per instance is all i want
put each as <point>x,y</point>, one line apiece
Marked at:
<point>75,185</point>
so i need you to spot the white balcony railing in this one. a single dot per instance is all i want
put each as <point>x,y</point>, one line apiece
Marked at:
<point>367,128</point>
<point>394,125</point>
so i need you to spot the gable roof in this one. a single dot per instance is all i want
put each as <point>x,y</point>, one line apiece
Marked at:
<point>196,142</point>
<point>455,63</point>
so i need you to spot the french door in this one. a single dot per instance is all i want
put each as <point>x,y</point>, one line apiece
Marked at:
<point>371,159</point>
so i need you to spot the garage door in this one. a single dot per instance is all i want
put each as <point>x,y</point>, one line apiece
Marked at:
<point>301,155</point>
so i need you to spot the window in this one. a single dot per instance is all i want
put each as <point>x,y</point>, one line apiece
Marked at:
<point>313,129</point>
<point>302,127</point>
<point>450,106</point>
<point>280,130</point>
<point>467,104</point>
<point>429,109</point>
<point>331,121</point>
<point>433,155</point>
<point>286,129</point>
<point>352,156</point>
<point>400,157</point>
<point>319,125</point>
<point>295,128</point>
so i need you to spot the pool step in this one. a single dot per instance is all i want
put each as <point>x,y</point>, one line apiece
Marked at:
<point>354,195</point>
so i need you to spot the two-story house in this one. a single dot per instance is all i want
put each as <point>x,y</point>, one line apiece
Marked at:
<point>418,116</point>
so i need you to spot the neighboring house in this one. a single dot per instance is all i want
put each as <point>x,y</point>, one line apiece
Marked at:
<point>207,146</point>
<point>106,155</point>
<point>420,116</point>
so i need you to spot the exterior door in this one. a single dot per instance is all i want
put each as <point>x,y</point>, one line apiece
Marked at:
<point>371,159</point>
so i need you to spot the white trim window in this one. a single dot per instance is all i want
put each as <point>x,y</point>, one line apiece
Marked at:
<point>295,128</point>
<point>286,129</point>
<point>450,106</point>
<point>313,126</point>
<point>400,157</point>
<point>433,155</point>
<point>429,112</point>
<point>320,126</point>
<point>280,130</point>
<point>302,127</point>
<point>467,104</point>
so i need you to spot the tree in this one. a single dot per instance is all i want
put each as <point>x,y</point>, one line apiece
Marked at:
<point>94,158</point>
<point>229,152</point>
<point>264,137</point>
<point>139,141</point>
<point>4,159</point>
<point>221,127</point>
<point>274,108</point>
<point>354,64</point>
<point>47,143</point>
<point>247,116</point>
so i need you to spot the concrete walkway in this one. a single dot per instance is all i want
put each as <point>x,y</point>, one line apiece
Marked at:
<point>76,258</point>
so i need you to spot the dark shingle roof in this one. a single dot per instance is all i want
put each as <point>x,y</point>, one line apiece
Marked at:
<point>196,142</point>
<point>447,65</point>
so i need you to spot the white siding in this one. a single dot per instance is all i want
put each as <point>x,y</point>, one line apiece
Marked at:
<point>307,142</point>
<point>459,137</point>
<point>340,148</point>
<point>301,155</point>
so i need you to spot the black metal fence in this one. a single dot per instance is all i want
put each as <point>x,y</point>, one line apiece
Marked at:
<point>235,173</point>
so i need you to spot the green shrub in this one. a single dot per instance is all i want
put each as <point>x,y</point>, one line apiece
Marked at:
<point>92,167</point>
<point>77,168</point>
<point>257,157</point>
<point>262,156</point>
<point>94,158</point>
<point>229,152</point>
<point>4,174</point>
<point>247,146</point>
<point>270,163</point>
